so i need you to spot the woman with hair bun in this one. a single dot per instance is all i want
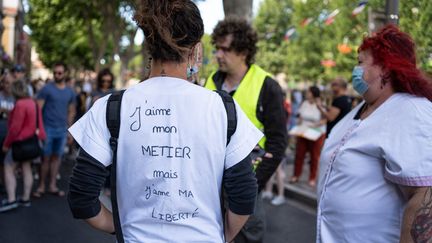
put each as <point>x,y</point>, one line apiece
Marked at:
<point>376,165</point>
<point>174,156</point>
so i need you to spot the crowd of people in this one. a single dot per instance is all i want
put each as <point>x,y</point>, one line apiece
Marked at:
<point>196,163</point>
<point>46,109</point>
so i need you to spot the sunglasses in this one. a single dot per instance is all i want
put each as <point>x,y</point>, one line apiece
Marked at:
<point>58,73</point>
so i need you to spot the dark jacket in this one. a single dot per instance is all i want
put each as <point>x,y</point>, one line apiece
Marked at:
<point>271,113</point>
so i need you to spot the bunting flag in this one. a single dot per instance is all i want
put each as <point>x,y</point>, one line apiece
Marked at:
<point>331,17</point>
<point>360,7</point>
<point>306,22</point>
<point>344,48</point>
<point>322,16</point>
<point>290,34</point>
<point>328,63</point>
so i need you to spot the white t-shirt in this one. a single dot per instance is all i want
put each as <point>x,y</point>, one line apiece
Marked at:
<point>362,164</point>
<point>171,156</point>
<point>310,116</point>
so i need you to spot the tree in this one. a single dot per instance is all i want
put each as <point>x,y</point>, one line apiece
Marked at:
<point>271,23</point>
<point>414,17</point>
<point>242,8</point>
<point>86,34</point>
<point>57,37</point>
<point>295,38</point>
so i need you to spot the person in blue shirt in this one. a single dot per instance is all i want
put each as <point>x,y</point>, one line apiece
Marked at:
<point>58,110</point>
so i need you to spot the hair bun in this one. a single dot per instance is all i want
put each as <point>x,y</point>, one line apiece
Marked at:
<point>170,27</point>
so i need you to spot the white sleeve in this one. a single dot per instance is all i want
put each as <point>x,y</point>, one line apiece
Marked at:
<point>92,134</point>
<point>408,151</point>
<point>243,141</point>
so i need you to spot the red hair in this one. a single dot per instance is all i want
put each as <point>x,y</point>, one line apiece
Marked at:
<point>394,51</point>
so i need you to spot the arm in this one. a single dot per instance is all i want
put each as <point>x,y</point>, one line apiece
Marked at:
<point>71,113</point>
<point>417,218</point>
<point>241,190</point>
<point>272,114</point>
<point>86,181</point>
<point>331,114</point>
<point>233,224</point>
<point>103,221</point>
<point>41,102</point>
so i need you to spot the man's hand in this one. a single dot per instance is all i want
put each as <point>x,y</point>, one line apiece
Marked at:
<point>5,149</point>
<point>256,160</point>
<point>70,139</point>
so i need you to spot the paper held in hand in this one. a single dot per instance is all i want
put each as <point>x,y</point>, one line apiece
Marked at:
<point>307,132</point>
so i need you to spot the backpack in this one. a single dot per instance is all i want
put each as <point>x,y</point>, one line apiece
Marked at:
<point>113,124</point>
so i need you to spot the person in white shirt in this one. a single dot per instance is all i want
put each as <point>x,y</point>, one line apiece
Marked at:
<point>376,165</point>
<point>309,117</point>
<point>173,158</point>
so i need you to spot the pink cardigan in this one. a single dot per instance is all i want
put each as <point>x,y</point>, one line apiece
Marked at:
<point>22,122</point>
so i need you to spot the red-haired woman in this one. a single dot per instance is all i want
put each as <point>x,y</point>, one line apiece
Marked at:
<point>376,166</point>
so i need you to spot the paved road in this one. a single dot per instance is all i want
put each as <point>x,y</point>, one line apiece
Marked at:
<point>49,220</point>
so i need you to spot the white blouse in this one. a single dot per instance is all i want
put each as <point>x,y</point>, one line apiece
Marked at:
<point>364,162</point>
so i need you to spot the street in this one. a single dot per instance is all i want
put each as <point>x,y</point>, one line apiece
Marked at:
<point>49,220</point>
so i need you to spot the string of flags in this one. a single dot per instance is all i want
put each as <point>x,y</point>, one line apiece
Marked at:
<point>327,18</point>
<point>361,6</point>
<point>324,17</point>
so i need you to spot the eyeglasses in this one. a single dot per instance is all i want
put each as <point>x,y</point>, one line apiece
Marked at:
<point>58,73</point>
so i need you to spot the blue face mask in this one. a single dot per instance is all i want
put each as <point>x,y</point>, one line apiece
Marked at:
<point>359,84</point>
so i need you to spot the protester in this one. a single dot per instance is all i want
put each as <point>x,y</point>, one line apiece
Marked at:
<point>7,102</point>
<point>310,118</point>
<point>105,84</point>
<point>58,111</point>
<point>18,73</point>
<point>376,165</point>
<point>279,177</point>
<point>340,105</point>
<point>172,149</point>
<point>21,125</point>
<point>259,96</point>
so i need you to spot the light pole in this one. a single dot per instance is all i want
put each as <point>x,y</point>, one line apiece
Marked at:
<point>392,11</point>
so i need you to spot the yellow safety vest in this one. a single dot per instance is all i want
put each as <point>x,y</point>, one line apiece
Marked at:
<point>247,94</point>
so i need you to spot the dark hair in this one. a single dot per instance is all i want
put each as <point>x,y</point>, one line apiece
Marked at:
<point>19,89</point>
<point>244,36</point>
<point>394,51</point>
<point>61,64</point>
<point>171,27</point>
<point>102,73</point>
<point>315,91</point>
<point>341,82</point>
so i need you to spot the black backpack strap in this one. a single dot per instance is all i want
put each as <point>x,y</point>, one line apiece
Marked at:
<point>113,124</point>
<point>231,113</point>
<point>232,126</point>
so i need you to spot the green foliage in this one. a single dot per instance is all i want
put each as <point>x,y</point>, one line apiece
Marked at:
<point>57,36</point>
<point>300,57</point>
<point>81,32</point>
<point>209,62</point>
<point>415,16</point>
